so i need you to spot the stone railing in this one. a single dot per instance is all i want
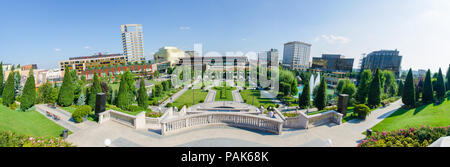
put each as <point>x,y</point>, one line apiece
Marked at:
<point>218,118</point>
<point>137,122</point>
<point>303,121</point>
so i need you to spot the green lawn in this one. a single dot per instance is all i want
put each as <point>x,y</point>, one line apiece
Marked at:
<point>248,95</point>
<point>187,97</point>
<point>28,123</point>
<point>165,95</point>
<point>228,93</point>
<point>427,115</point>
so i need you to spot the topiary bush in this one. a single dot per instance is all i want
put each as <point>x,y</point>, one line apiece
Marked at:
<point>362,111</point>
<point>81,112</point>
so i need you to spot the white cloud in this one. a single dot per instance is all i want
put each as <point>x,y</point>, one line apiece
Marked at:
<point>57,49</point>
<point>333,39</point>
<point>244,39</point>
<point>87,47</point>
<point>184,28</point>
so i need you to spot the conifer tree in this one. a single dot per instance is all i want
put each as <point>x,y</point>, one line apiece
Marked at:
<point>363,87</point>
<point>305,98</point>
<point>1,78</point>
<point>440,92</point>
<point>81,100</point>
<point>409,97</point>
<point>374,96</point>
<point>94,90</point>
<point>427,92</point>
<point>9,95</point>
<point>320,99</point>
<point>66,93</point>
<point>142,95</point>
<point>29,93</point>
<point>448,78</point>
<point>400,88</point>
<point>123,99</point>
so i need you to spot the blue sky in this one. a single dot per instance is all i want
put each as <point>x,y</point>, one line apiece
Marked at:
<point>45,32</point>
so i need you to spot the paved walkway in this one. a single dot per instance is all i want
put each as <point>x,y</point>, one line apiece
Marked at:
<point>346,135</point>
<point>237,96</point>
<point>211,96</point>
<point>66,120</point>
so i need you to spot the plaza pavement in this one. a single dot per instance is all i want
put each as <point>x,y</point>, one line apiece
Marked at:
<point>345,135</point>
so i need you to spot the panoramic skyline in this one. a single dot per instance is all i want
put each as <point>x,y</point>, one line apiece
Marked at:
<point>46,32</point>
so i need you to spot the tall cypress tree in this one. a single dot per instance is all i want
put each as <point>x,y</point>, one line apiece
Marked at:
<point>400,88</point>
<point>448,78</point>
<point>123,99</point>
<point>363,87</point>
<point>9,95</point>
<point>409,97</point>
<point>320,99</point>
<point>66,93</point>
<point>305,98</point>
<point>1,78</point>
<point>94,90</point>
<point>427,92</point>
<point>29,93</point>
<point>374,96</point>
<point>142,95</point>
<point>440,92</point>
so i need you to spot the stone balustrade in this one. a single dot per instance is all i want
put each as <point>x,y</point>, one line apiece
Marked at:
<point>137,122</point>
<point>217,118</point>
<point>303,121</point>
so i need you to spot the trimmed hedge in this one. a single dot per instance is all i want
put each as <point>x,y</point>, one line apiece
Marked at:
<point>81,112</point>
<point>362,111</point>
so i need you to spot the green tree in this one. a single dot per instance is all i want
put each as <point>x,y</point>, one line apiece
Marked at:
<point>390,85</point>
<point>142,95</point>
<point>158,90</point>
<point>1,78</point>
<point>374,96</point>
<point>448,78</point>
<point>409,97</point>
<point>320,99</point>
<point>400,88</point>
<point>123,99</point>
<point>81,100</point>
<point>427,91</point>
<point>66,93</point>
<point>29,93</point>
<point>9,95</point>
<point>349,89</point>
<point>440,91</point>
<point>94,90</point>
<point>363,87</point>
<point>340,85</point>
<point>305,98</point>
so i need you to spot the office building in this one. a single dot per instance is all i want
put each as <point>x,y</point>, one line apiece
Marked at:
<point>384,60</point>
<point>296,55</point>
<point>268,57</point>
<point>133,42</point>
<point>86,62</point>
<point>332,63</point>
<point>170,54</point>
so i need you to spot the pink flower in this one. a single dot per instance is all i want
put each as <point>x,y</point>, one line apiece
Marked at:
<point>31,139</point>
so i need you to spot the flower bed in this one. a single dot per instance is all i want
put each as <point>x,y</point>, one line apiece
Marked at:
<point>421,137</point>
<point>10,139</point>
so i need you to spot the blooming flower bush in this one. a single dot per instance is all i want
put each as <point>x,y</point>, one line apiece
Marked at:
<point>11,139</point>
<point>412,137</point>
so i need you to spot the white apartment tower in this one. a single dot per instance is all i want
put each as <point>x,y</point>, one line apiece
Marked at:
<point>133,42</point>
<point>296,55</point>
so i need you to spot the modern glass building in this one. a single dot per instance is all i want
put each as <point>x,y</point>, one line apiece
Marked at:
<point>384,60</point>
<point>296,55</point>
<point>268,57</point>
<point>333,63</point>
<point>133,42</point>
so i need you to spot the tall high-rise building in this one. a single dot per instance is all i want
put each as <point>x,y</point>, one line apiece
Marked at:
<point>133,42</point>
<point>268,57</point>
<point>296,55</point>
<point>384,60</point>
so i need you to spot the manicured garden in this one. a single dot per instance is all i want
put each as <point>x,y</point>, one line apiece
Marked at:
<point>430,115</point>
<point>187,98</point>
<point>29,122</point>
<point>253,97</point>
<point>224,93</point>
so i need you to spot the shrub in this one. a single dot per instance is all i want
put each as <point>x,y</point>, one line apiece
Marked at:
<point>201,101</point>
<point>412,137</point>
<point>11,139</point>
<point>362,111</point>
<point>133,108</point>
<point>13,106</point>
<point>80,112</point>
<point>153,114</point>
<point>169,105</point>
